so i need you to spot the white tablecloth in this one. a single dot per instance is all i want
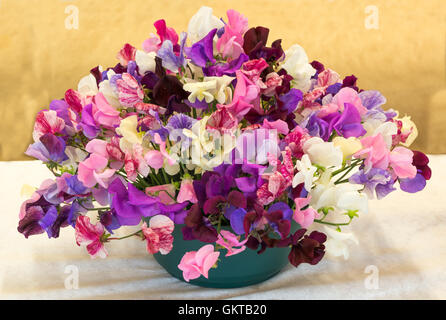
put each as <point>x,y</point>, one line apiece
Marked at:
<point>402,241</point>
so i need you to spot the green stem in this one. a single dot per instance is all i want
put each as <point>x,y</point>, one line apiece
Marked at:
<point>128,236</point>
<point>333,223</point>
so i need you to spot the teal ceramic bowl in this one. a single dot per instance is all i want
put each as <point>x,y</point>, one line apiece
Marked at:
<point>240,270</point>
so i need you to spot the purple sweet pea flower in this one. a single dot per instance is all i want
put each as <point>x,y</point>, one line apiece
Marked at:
<point>228,68</point>
<point>169,59</point>
<point>413,185</point>
<point>236,217</point>
<point>348,123</point>
<point>376,180</point>
<point>74,186</point>
<point>61,107</point>
<point>132,204</point>
<point>290,100</point>
<point>202,52</point>
<point>316,127</point>
<point>50,147</point>
<point>372,99</point>
<point>88,125</point>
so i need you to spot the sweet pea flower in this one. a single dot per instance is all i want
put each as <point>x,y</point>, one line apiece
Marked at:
<point>126,54</point>
<point>229,240</point>
<point>230,44</point>
<point>297,65</point>
<point>336,242</point>
<point>165,192</point>
<point>128,131</point>
<point>159,234</point>
<point>350,96</point>
<point>94,170</point>
<point>305,173</point>
<point>90,235</point>
<point>187,192</point>
<point>197,263</point>
<point>129,90</point>
<point>246,96</point>
<point>323,153</point>
<point>103,113</point>
<point>202,23</point>
<point>304,218</point>
<point>400,160</point>
<point>145,61</point>
<point>374,151</point>
<point>47,121</point>
<point>49,147</point>
<point>87,87</point>
<point>201,91</point>
<point>348,146</point>
<point>222,92</point>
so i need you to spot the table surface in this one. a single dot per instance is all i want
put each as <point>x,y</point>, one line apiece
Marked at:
<point>402,245</point>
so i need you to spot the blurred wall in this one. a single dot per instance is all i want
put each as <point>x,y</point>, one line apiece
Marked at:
<point>404,57</point>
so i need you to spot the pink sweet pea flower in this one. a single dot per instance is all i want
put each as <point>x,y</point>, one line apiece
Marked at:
<point>47,121</point>
<point>154,159</point>
<point>401,163</point>
<point>246,96</point>
<point>94,170</point>
<point>154,43</point>
<point>230,43</point>
<point>279,125</point>
<point>104,113</point>
<point>197,263</point>
<point>165,192</point>
<point>374,152</point>
<point>229,240</point>
<point>304,218</point>
<point>345,95</point>
<point>187,192</point>
<point>162,144</point>
<point>126,54</point>
<point>159,234</point>
<point>90,235</point>
<point>130,92</point>
<point>97,146</point>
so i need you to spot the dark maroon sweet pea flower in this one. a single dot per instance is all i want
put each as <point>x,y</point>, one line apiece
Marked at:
<point>166,87</point>
<point>254,45</point>
<point>318,66</point>
<point>279,217</point>
<point>198,226</point>
<point>350,81</point>
<point>309,249</point>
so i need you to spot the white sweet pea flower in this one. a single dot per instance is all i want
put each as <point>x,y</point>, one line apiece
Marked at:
<point>342,197</point>
<point>297,65</point>
<point>145,61</point>
<point>201,90</point>
<point>87,86</point>
<point>336,243</point>
<point>323,153</point>
<point>348,146</point>
<point>202,23</point>
<point>305,173</point>
<point>222,91</point>
<point>110,94</point>
<point>75,156</point>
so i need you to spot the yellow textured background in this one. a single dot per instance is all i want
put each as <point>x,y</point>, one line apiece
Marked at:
<point>404,58</point>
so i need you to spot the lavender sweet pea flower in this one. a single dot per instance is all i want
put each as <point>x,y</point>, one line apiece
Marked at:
<point>75,187</point>
<point>61,107</point>
<point>376,180</point>
<point>413,185</point>
<point>236,217</point>
<point>176,124</point>
<point>169,59</point>
<point>50,147</point>
<point>202,51</point>
<point>372,99</point>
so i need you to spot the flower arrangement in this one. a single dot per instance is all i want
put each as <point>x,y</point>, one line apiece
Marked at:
<point>224,136</point>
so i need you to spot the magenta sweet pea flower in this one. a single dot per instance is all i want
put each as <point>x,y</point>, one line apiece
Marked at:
<point>159,234</point>
<point>230,44</point>
<point>198,263</point>
<point>229,240</point>
<point>90,235</point>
